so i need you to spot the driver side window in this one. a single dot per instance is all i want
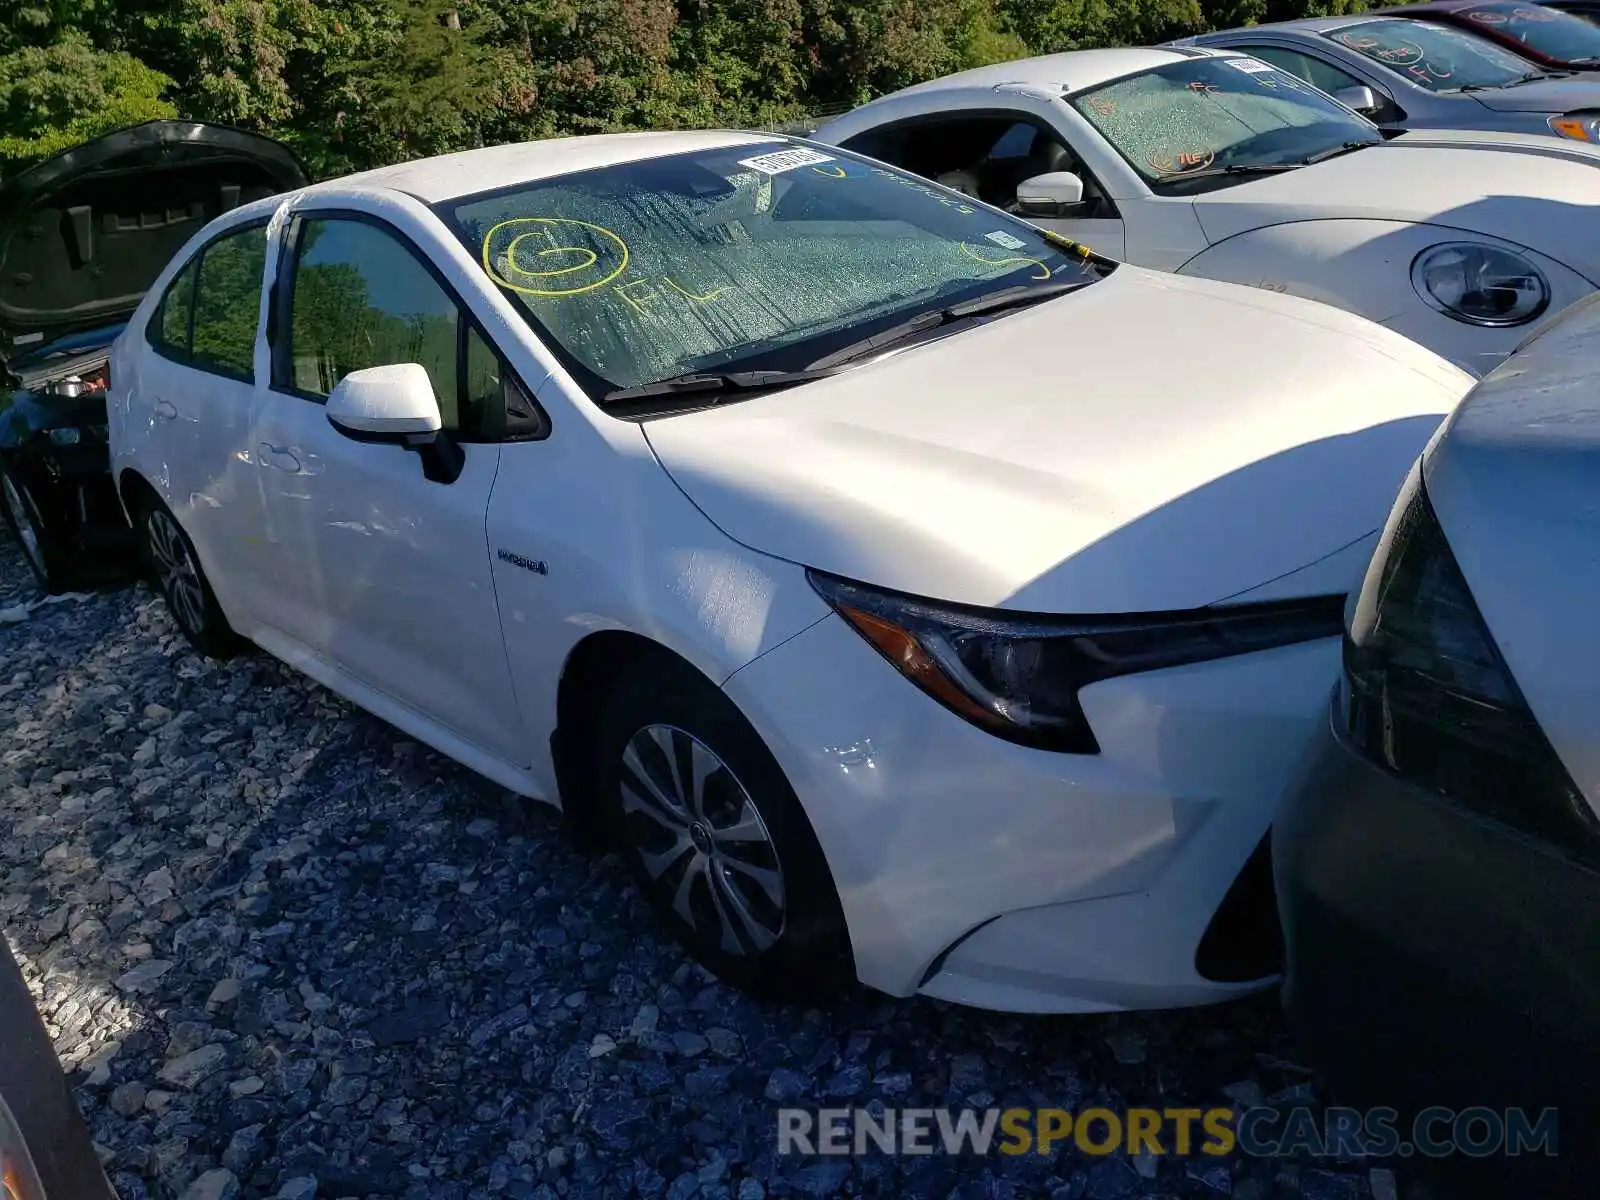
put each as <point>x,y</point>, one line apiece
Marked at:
<point>1322,75</point>
<point>982,156</point>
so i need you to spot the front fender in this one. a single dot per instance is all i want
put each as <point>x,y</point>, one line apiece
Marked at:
<point>1364,267</point>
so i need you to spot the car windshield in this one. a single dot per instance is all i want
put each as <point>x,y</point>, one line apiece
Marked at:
<point>1218,119</point>
<point>761,256</point>
<point>1557,35</point>
<point>1434,56</point>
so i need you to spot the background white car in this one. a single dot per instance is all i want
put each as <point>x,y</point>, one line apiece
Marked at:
<point>1206,162</point>
<point>898,584</point>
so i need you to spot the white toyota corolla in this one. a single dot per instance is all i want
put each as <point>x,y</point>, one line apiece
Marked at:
<point>904,589</point>
<point>1212,163</point>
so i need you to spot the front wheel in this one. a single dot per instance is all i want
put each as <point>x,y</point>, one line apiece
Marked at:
<point>715,836</point>
<point>175,570</point>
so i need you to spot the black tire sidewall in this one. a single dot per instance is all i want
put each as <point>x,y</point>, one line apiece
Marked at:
<point>52,577</point>
<point>216,638</point>
<point>811,957</point>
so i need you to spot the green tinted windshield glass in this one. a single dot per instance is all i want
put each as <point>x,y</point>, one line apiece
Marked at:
<point>1208,114</point>
<point>1434,56</point>
<point>757,255</point>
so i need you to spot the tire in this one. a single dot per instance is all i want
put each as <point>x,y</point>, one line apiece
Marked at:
<point>40,547</point>
<point>174,568</point>
<point>760,910</point>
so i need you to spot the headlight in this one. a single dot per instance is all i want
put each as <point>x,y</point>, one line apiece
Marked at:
<point>64,437</point>
<point>1427,694</point>
<point>1481,285</point>
<point>1578,128</point>
<point>1017,675</point>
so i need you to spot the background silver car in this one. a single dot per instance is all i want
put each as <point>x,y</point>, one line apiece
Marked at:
<point>1410,74</point>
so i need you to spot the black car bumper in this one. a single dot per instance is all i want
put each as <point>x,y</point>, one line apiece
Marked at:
<point>1434,958</point>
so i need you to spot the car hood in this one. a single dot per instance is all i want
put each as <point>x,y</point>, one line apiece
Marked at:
<point>84,234</point>
<point>1151,442</point>
<point>1514,481</point>
<point>1545,96</point>
<point>1534,191</point>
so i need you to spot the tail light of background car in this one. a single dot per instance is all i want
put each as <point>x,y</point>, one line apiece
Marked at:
<point>1427,694</point>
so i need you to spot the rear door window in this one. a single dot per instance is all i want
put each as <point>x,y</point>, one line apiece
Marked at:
<point>168,332</point>
<point>227,303</point>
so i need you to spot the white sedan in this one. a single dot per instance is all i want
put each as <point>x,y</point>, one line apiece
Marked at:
<point>1212,163</point>
<point>906,591</point>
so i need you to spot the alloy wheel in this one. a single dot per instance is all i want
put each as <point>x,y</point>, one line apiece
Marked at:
<point>22,517</point>
<point>702,840</point>
<point>177,574</point>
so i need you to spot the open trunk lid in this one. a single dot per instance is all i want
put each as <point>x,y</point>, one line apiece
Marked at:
<point>83,234</point>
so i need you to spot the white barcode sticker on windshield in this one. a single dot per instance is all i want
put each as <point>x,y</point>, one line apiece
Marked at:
<point>1001,238</point>
<point>1250,66</point>
<point>784,160</point>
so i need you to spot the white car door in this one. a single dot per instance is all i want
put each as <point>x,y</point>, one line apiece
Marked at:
<point>378,571</point>
<point>987,154</point>
<point>197,377</point>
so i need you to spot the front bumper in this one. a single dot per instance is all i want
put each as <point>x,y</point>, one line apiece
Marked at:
<point>991,874</point>
<point>1433,957</point>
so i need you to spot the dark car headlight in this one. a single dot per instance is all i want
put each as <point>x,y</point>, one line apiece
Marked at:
<point>1427,694</point>
<point>1018,675</point>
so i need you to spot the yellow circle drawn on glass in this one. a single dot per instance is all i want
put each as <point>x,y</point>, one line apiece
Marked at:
<point>545,226</point>
<point>1005,262</point>
<point>831,172</point>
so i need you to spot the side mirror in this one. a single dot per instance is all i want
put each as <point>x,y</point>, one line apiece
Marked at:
<point>1055,194</point>
<point>386,404</point>
<point>1363,99</point>
<point>395,405</point>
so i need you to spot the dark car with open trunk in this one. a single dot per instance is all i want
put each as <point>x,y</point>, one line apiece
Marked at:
<point>82,235</point>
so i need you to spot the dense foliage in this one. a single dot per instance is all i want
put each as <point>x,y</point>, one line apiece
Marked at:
<point>351,83</point>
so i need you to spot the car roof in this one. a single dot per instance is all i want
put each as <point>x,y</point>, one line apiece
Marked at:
<point>1307,24</point>
<point>1072,70</point>
<point>449,176</point>
<point>1433,6</point>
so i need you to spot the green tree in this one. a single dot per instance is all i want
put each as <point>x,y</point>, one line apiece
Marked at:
<point>53,97</point>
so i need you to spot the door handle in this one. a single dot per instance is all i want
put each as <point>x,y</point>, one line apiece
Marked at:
<point>279,458</point>
<point>165,410</point>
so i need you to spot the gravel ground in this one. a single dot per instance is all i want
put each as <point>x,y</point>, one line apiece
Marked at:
<point>284,950</point>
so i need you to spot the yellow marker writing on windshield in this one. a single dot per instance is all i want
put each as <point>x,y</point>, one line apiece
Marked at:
<point>831,172</point>
<point>688,295</point>
<point>1044,271</point>
<point>557,269</point>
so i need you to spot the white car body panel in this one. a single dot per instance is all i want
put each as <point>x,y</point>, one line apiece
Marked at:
<point>1036,438</point>
<point>1021,492</point>
<point>1108,867</point>
<point>1368,263</point>
<point>1517,190</point>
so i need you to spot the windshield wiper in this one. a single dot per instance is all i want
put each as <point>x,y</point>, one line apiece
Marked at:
<point>724,381</point>
<point>1012,297</point>
<point>1530,77</point>
<point>1230,169</point>
<point>1336,151</point>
